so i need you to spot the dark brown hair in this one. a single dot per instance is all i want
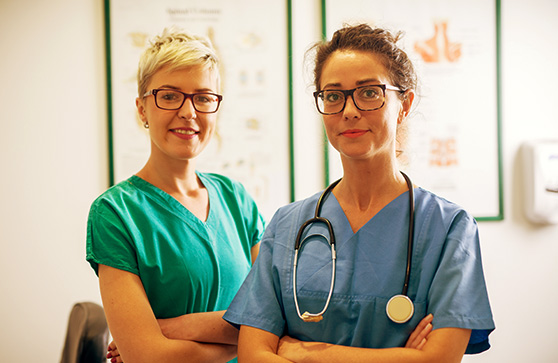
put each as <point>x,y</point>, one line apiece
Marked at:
<point>378,41</point>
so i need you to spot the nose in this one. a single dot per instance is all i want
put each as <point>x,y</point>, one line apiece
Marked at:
<point>187,110</point>
<point>350,111</point>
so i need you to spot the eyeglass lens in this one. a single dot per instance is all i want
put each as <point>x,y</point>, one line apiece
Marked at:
<point>366,98</point>
<point>173,100</point>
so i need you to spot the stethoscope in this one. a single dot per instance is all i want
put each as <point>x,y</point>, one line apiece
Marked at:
<point>399,308</point>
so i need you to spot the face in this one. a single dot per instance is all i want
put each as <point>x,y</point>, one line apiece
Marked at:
<point>184,133</point>
<point>360,134</point>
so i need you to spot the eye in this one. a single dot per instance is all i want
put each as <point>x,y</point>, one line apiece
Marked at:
<point>169,96</point>
<point>204,98</point>
<point>333,97</point>
<point>370,93</point>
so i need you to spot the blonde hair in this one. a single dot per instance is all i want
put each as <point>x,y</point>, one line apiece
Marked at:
<point>175,49</point>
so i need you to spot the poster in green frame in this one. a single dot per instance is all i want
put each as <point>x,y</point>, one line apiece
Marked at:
<point>255,118</point>
<point>454,143</point>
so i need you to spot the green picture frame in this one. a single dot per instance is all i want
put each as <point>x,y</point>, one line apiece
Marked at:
<point>257,67</point>
<point>472,175</point>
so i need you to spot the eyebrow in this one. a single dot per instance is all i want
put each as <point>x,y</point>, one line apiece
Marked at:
<point>358,83</point>
<point>203,90</point>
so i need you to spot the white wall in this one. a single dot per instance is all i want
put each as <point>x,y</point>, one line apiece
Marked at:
<point>54,163</point>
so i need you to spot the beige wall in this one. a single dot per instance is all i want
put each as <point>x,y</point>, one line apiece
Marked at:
<point>54,163</point>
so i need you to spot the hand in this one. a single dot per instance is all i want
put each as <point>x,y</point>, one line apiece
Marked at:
<point>113,353</point>
<point>419,335</point>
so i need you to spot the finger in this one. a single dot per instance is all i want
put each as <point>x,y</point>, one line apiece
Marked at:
<point>424,333</point>
<point>419,340</point>
<point>425,321</point>
<point>420,332</point>
<point>419,347</point>
<point>114,354</point>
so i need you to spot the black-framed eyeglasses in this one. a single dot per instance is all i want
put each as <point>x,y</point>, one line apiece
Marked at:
<point>365,98</point>
<point>170,99</point>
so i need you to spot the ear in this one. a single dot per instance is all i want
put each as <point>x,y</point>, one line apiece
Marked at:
<point>406,105</point>
<point>141,110</point>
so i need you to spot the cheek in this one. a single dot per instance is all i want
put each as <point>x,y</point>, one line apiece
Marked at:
<point>210,124</point>
<point>329,122</point>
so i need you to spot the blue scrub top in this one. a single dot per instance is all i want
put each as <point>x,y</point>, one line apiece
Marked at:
<point>446,275</point>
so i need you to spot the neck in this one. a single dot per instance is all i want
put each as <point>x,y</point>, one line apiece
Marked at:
<point>178,179</point>
<point>172,176</point>
<point>370,184</point>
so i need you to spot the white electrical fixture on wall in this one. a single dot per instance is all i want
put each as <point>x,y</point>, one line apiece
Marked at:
<point>540,160</point>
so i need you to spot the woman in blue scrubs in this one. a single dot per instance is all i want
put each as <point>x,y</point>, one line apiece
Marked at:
<point>365,90</point>
<point>172,245</point>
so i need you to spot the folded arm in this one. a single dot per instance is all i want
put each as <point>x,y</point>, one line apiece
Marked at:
<point>204,327</point>
<point>200,327</point>
<point>442,345</point>
<point>136,330</point>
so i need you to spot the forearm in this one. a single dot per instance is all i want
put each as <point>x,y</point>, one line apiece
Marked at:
<point>443,345</point>
<point>311,352</point>
<point>200,327</point>
<point>135,329</point>
<point>255,346</point>
<point>255,356</point>
<point>186,351</point>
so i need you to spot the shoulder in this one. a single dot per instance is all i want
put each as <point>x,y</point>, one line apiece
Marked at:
<point>221,183</point>
<point>232,195</point>
<point>445,223</point>
<point>118,195</point>
<point>295,212</point>
<point>125,201</point>
<point>430,206</point>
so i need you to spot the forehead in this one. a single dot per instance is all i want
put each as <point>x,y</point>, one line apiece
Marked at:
<point>348,68</point>
<point>190,77</point>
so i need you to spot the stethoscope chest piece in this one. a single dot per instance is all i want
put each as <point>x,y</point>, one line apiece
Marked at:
<point>400,309</point>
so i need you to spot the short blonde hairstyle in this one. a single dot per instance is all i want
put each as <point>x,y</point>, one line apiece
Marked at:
<point>175,49</point>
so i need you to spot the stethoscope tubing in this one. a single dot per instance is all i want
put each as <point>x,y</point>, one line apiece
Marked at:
<point>307,316</point>
<point>411,234</point>
<point>314,317</point>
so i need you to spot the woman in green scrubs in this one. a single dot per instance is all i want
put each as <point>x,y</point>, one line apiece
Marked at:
<point>171,242</point>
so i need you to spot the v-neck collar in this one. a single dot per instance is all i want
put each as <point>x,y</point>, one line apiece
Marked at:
<point>343,231</point>
<point>173,205</point>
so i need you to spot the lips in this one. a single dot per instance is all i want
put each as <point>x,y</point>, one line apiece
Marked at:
<point>353,133</point>
<point>184,133</point>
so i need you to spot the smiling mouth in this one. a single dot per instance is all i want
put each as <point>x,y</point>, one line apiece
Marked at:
<point>184,132</point>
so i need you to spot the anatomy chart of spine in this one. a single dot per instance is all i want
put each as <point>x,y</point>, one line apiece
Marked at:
<point>251,143</point>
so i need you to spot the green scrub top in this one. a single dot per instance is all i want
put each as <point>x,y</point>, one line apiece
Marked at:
<point>185,265</point>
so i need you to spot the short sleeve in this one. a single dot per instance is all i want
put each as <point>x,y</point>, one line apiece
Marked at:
<point>108,239</point>
<point>458,296</point>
